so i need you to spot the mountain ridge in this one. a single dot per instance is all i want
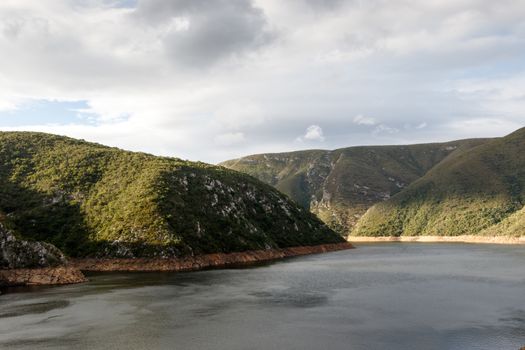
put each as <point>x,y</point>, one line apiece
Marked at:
<point>89,199</point>
<point>341,185</point>
<point>480,192</point>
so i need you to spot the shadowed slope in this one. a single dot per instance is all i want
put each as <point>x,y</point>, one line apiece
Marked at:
<point>89,199</point>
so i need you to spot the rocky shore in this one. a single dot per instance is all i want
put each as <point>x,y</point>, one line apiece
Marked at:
<point>33,263</point>
<point>71,273</point>
<point>441,239</point>
<point>203,261</point>
<point>41,276</point>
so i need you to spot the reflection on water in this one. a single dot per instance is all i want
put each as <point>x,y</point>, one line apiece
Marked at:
<point>380,296</point>
<point>32,308</point>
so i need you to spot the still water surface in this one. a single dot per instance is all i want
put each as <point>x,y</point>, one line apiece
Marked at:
<point>379,296</point>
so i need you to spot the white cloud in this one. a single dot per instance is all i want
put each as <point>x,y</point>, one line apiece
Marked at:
<point>484,126</point>
<point>382,128</point>
<point>179,24</point>
<point>162,76</point>
<point>362,120</point>
<point>313,133</point>
<point>238,115</point>
<point>228,139</point>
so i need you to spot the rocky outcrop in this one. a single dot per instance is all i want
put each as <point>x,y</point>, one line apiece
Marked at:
<point>15,253</point>
<point>33,263</point>
<point>41,276</point>
<point>203,261</point>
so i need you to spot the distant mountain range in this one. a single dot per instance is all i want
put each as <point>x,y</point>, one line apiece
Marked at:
<point>478,191</point>
<point>92,200</point>
<point>464,187</point>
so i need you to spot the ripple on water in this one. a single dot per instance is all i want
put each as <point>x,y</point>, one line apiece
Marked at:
<point>382,297</point>
<point>32,308</point>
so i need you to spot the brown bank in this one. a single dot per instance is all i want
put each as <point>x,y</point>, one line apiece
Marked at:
<point>41,276</point>
<point>203,261</point>
<point>71,273</point>
<point>33,263</point>
<point>441,239</point>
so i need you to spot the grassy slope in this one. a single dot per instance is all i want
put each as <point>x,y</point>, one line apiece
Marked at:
<point>90,199</point>
<point>478,191</point>
<point>339,186</point>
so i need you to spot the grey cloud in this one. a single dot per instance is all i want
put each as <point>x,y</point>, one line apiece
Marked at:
<point>324,4</point>
<point>216,30</point>
<point>11,28</point>
<point>456,66</point>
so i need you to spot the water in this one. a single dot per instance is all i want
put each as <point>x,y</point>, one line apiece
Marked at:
<point>379,296</point>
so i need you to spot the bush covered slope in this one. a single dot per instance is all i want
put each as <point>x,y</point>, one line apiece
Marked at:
<point>339,186</point>
<point>89,199</point>
<point>479,191</point>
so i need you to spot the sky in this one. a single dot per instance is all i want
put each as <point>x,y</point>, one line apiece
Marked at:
<point>212,80</point>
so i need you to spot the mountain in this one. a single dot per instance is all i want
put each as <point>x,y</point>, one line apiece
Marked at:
<point>480,191</point>
<point>341,185</point>
<point>92,200</point>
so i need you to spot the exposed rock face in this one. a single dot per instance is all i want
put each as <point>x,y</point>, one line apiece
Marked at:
<point>33,263</point>
<point>15,253</point>
<point>203,261</point>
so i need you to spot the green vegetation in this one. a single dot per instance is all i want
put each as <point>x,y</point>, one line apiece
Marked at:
<point>88,199</point>
<point>478,191</point>
<point>340,186</point>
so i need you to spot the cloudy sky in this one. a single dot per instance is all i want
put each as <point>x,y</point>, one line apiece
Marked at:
<point>216,79</point>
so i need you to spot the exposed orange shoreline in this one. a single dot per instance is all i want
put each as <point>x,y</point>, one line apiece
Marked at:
<point>41,276</point>
<point>72,272</point>
<point>203,261</point>
<point>441,239</point>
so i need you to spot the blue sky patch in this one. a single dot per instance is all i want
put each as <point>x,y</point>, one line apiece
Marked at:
<point>42,112</point>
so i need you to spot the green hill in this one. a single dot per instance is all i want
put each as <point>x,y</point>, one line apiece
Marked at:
<point>88,199</point>
<point>341,185</point>
<point>479,191</point>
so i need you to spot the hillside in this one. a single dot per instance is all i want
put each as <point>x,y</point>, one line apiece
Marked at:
<point>480,191</point>
<point>92,200</point>
<point>339,186</point>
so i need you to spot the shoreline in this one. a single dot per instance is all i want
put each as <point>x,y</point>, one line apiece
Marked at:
<point>199,262</point>
<point>72,273</point>
<point>43,276</point>
<point>440,239</point>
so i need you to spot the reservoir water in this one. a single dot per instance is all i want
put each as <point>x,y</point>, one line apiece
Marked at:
<point>380,296</point>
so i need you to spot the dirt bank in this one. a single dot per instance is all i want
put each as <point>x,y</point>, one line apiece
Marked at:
<point>443,239</point>
<point>41,276</point>
<point>202,261</point>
